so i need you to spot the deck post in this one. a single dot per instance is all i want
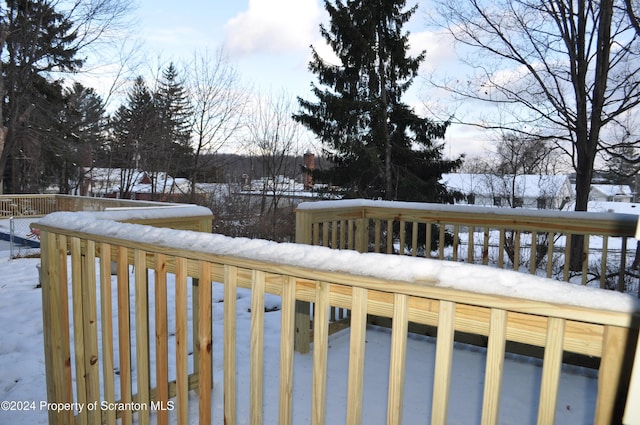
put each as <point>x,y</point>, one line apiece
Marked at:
<point>302,342</point>
<point>632,411</point>
<point>619,346</point>
<point>55,330</point>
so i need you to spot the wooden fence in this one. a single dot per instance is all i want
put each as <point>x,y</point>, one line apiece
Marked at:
<point>539,242</point>
<point>80,251</point>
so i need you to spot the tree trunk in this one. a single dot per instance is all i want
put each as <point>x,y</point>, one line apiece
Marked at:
<point>3,137</point>
<point>4,33</point>
<point>589,133</point>
<point>384,118</point>
<point>636,258</point>
<point>583,187</point>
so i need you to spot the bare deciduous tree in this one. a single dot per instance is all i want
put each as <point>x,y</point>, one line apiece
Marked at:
<point>518,155</point>
<point>274,137</point>
<point>521,156</point>
<point>562,70</point>
<point>219,104</point>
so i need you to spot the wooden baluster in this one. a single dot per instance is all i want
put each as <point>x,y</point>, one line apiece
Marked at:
<point>444,363</point>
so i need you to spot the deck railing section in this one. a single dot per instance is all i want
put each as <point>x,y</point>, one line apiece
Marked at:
<point>27,205</point>
<point>23,210</point>
<point>43,204</point>
<point>188,217</point>
<point>537,242</point>
<point>81,320</point>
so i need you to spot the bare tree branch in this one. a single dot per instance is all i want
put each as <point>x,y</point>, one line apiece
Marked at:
<point>219,105</point>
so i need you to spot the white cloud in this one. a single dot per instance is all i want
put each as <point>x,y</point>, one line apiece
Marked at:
<point>174,36</point>
<point>439,48</point>
<point>273,26</point>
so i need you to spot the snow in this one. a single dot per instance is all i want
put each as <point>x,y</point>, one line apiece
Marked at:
<point>612,190</point>
<point>420,206</point>
<point>107,180</point>
<point>525,185</point>
<point>614,207</point>
<point>621,211</point>
<point>22,361</point>
<point>390,267</point>
<point>146,212</point>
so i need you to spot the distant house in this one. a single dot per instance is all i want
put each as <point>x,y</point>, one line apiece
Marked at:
<point>281,190</point>
<point>280,185</point>
<point>519,191</point>
<point>103,182</point>
<point>610,193</point>
<point>134,184</point>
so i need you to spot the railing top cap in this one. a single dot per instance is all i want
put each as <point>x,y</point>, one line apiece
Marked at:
<point>460,276</point>
<point>399,205</point>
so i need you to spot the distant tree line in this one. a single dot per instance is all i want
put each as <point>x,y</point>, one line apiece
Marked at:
<point>573,93</point>
<point>54,129</point>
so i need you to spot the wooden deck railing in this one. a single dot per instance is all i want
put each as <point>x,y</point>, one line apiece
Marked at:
<point>42,204</point>
<point>27,205</point>
<point>37,205</point>
<point>538,242</point>
<point>79,318</point>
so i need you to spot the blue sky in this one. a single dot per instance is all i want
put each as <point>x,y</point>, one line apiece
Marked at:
<point>268,42</point>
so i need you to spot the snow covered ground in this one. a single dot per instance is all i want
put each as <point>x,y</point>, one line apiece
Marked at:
<point>22,368</point>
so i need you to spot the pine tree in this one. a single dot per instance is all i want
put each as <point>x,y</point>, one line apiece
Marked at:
<point>81,125</point>
<point>38,40</point>
<point>379,146</point>
<point>152,131</point>
<point>174,114</point>
<point>134,134</point>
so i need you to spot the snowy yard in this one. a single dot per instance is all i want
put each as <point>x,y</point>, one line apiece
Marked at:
<point>22,377</point>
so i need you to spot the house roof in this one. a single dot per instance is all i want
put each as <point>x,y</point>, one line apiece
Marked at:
<point>611,190</point>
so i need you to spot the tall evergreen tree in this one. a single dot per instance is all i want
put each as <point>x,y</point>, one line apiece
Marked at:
<point>38,39</point>
<point>379,146</point>
<point>81,125</point>
<point>151,132</point>
<point>174,114</point>
<point>33,135</point>
<point>134,134</point>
